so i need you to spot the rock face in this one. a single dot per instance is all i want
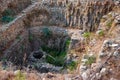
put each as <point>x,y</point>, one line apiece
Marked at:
<point>73,14</point>
<point>87,17</point>
<point>19,46</point>
<point>111,49</point>
<point>107,67</point>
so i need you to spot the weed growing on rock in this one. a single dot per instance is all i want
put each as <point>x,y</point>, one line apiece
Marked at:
<point>86,35</point>
<point>58,56</point>
<point>7,16</point>
<point>109,23</point>
<point>30,37</point>
<point>72,66</point>
<point>46,32</point>
<point>7,19</point>
<point>101,33</point>
<point>90,60</point>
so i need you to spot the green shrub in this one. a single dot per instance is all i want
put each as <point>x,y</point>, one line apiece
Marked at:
<point>72,66</point>
<point>7,16</point>
<point>57,61</point>
<point>101,33</point>
<point>109,23</point>
<point>67,42</point>
<point>46,32</point>
<point>30,37</point>
<point>7,19</point>
<point>56,57</point>
<point>86,34</point>
<point>90,60</point>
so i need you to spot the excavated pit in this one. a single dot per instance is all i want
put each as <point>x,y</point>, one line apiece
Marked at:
<point>42,48</point>
<point>49,48</point>
<point>38,55</point>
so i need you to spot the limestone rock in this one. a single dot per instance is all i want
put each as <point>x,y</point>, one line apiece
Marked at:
<point>98,76</point>
<point>102,54</point>
<point>103,71</point>
<point>117,53</point>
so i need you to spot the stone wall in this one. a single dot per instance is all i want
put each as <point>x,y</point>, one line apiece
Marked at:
<point>10,31</point>
<point>52,16</point>
<point>19,50</point>
<point>55,37</point>
<point>75,15</point>
<point>87,17</point>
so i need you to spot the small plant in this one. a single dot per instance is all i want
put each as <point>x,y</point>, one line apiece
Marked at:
<point>4,60</point>
<point>30,37</point>
<point>7,16</point>
<point>87,34</point>
<point>20,76</point>
<point>109,23</point>
<point>7,19</point>
<point>46,32</point>
<point>101,33</point>
<point>72,66</point>
<point>67,42</point>
<point>55,56</point>
<point>57,61</point>
<point>90,60</point>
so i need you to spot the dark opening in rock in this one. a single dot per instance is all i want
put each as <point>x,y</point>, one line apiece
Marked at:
<point>37,55</point>
<point>51,42</point>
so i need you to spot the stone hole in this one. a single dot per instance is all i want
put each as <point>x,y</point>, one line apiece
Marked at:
<point>50,47</point>
<point>37,55</point>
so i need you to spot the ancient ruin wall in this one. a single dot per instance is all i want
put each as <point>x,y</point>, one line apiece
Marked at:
<point>21,47</point>
<point>87,17</point>
<point>77,16</point>
<point>12,30</point>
